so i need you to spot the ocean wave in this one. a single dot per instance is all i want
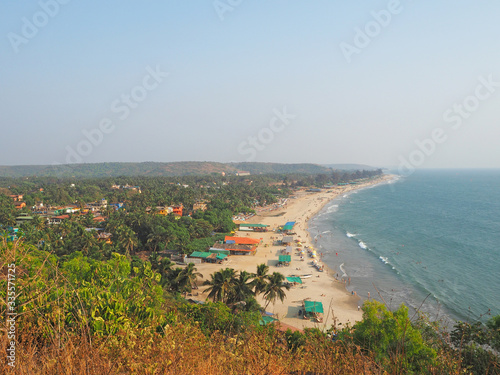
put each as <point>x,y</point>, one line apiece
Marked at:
<point>344,274</point>
<point>384,260</point>
<point>326,231</point>
<point>332,209</point>
<point>350,235</point>
<point>363,245</point>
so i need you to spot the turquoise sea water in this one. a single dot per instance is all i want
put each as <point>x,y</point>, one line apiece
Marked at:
<point>430,240</point>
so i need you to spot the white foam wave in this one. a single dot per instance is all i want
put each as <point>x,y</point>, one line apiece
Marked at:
<point>332,209</point>
<point>326,231</point>
<point>384,259</point>
<point>362,245</point>
<point>349,235</point>
<point>344,274</point>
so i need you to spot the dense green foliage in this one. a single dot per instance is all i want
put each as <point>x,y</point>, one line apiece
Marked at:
<point>389,334</point>
<point>152,169</point>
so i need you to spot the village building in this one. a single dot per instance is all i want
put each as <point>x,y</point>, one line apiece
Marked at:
<point>55,220</point>
<point>19,205</point>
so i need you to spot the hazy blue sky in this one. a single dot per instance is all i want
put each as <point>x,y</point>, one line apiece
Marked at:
<point>230,80</point>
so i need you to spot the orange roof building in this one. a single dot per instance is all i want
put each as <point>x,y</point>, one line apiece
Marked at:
<point>242,240</point>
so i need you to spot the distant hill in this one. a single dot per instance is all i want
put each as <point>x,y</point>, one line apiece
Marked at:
<point>184,168</point>
<point>350,167</point>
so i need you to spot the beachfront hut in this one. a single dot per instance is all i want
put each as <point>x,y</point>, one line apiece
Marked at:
<point>218,251</point>
<point>242,240</point>
<point>287,240</point>
<point>284,260</point>
<point>215,258</point>
<point>253,227</point>
<point>313,310</point>
<point>203,255</point>
<point>234,249</point>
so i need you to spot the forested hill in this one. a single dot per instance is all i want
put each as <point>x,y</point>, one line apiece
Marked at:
<point>156,169</point>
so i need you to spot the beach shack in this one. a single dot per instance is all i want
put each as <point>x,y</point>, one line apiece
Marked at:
<point>198,257</point>
<point>294,280</point>
<point>219,251</point>
<point>313,310</point>
<point>284,260</point>
<point>287,240</point>
<point>253,227</point>
<point>215,258</point>
<point>242,240</point>
<point>288,227</point>
<point>234,249</point>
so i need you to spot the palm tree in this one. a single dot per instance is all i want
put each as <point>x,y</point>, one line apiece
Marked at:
<point>260,278</point>
<point>127,239</point>
<point>87,241</point>
<point>38,223</point>
<point>221,285</point>
<point>274,289</point>
<point>187,278</point>
<point>157,235</point>
<point>242,288</point>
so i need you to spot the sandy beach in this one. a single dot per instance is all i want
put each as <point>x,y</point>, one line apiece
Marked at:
<point>340,306</point>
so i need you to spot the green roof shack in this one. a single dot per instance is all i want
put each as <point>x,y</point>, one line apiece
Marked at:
<point>313,310</point>
<point>284,260</point>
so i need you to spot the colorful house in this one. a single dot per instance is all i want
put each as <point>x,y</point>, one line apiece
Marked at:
<point>19,205</point>
<point>177,210</point>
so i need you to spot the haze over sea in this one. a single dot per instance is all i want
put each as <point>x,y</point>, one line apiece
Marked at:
<point>434,233</point>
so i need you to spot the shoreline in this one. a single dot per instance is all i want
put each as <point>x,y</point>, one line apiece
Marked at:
<point>341,307</point>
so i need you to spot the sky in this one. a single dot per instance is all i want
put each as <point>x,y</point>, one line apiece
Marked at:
<point>402,84</point>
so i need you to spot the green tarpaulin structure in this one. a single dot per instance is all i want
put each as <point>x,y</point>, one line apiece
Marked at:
<point>218,251</point>
<point>285,258</point>
<point>254,225</point>
<point>313,307</point>
<point>221,256</point>
<point>200,254</point>
<point>294,279</point>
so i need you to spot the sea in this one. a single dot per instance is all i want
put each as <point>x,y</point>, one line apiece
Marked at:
<point>430,240</point>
